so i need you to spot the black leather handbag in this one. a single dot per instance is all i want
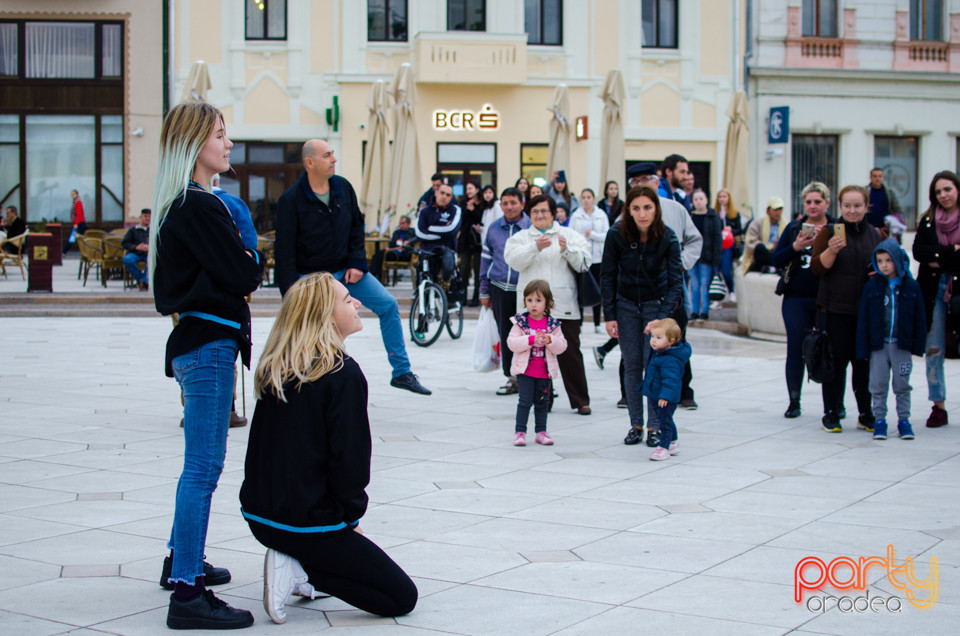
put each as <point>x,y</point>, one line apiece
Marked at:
<point>588,289</point>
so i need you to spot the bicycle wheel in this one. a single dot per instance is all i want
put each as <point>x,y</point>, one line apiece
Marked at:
<point>455,319</point>
<point>426,322</point>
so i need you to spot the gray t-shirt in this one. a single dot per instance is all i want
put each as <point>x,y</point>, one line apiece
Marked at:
<point>325,198</point>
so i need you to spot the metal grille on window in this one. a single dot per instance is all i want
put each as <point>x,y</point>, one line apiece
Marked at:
<point>813,158</point>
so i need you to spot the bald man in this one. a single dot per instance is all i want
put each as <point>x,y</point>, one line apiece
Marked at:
<point>320,229</point>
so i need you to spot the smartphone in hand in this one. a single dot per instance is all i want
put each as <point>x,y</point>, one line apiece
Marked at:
<point>561,176</point>
<point>840,230</point>
<point>806,230</point>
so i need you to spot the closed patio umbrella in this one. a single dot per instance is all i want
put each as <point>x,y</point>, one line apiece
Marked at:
<point>612,166</point>
<point>558,153</point>
<point>198,83</point>
<point>375,187</point>
<point>736,162</point>
<point>405,181</point>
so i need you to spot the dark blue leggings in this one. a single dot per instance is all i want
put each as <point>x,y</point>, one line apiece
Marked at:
<point>799,315</point>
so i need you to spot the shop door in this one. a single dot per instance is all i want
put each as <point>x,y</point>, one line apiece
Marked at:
<point>464,162</point>
<point>260,188</point>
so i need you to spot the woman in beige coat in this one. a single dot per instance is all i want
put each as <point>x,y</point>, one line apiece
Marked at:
<point>555,254</point>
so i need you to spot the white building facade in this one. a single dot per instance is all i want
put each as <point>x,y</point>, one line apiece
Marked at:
<point>868,83</point>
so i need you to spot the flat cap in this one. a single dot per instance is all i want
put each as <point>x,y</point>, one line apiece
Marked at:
<point>641,169</point>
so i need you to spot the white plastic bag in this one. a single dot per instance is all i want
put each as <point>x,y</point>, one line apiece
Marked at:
<point>486,343</point>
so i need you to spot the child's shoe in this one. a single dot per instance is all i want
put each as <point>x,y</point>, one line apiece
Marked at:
<point>520,439</point>
<point>660,454</point>
<point>543,438</point>
<point>906,431</point>
<point>865,422</point>
<point>674,447</point>
<point>880,429</point>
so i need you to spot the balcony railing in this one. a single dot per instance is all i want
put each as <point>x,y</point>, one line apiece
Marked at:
<point>464,57</point>
<point>922,56</point>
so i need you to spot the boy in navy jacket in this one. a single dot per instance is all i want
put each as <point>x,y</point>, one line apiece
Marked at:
<point>663,380</point>
<point>892,326</point>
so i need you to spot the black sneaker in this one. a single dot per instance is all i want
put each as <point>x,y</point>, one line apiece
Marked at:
<point>793,410</point>
<point>831,423</point>
<point>206,611</point>
<point>211,575</point>
<point>410,382</point>
<point>842,414</point>
<point>635,436</point>
<point>688,404</point>
<point>653,437</point>
<point>865,422</point>
<point>622,404</point>
<point>599,354</point>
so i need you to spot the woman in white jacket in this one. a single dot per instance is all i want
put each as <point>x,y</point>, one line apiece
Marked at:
<point>594,228</point>
<point>553,253</point>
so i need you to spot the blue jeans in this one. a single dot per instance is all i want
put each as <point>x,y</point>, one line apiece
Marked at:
<point>668,430</point>
<point>799,315</point>
<point>205,375</point>
<point>687,301</point>
<point>635,351</point>
<point>700,277</point>
<point>726,267</point>
<point>130,261</point>
<point>533,392</point>
<point>936,339</point>
<point>373,296</point>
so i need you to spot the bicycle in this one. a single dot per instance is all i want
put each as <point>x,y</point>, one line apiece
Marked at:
<point>431,309</point>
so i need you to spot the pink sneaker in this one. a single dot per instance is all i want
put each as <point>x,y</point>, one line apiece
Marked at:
<point>674,447</point>
<point>660,454</point>
<point>543,438</point>
<point>520,439</point>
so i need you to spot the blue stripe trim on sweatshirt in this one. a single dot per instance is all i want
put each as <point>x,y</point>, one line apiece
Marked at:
<point>297,529</point>
<point>210,317</point>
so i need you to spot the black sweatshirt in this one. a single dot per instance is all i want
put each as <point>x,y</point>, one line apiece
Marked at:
<point>308,459</point>
<point>641,272</point>
<point>203,267</point>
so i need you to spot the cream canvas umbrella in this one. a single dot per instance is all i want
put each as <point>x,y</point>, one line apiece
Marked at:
<point>198,83</point>
<point>736,164</point>
<point>405,181</point>
<point>558,153</point>
<point>375,188</point>
<point>611,131</point>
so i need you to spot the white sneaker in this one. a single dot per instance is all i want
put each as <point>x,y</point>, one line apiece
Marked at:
<point>282,574</point>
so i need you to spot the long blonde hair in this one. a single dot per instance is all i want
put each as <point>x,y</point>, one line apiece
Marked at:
<point>732,211</point>
<point>304,344</point>
<point>185,131</point>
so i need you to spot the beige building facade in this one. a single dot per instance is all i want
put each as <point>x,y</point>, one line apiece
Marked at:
<point>81,104</point>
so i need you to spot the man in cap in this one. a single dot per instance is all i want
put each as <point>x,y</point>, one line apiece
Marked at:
<point>762,236</point>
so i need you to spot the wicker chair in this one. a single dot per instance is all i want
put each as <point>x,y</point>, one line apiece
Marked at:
<point>16,257</point>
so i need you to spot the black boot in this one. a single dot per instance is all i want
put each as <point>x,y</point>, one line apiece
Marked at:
<point>793,410</point>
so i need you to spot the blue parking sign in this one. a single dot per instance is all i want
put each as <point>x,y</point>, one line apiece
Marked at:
<point>778,130</point>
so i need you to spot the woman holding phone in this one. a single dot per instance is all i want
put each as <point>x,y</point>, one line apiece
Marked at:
<point>843,258</point>
<point>799,285</point>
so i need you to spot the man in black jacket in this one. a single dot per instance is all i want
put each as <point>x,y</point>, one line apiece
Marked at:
<point>320,229</point>
<point>137,244</point>
<point>13,225</point>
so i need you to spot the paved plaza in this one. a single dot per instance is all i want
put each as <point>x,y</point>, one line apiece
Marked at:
<point>585,537</point>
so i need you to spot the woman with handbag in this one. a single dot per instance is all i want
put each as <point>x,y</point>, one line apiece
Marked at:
<point>937,248</point>
<point>798,284</point>
<point>843,258</point>
<point>642,281</point>
<point>711,229</point>
<point>555,254</point>
<point>594,228</point>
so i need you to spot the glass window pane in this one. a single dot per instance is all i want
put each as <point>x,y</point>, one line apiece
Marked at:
<point>456,15</point>
<point>668,24</point>
<point>467,153</point>
<point>809,17</point>
<point>112,66</point>
<point>376,20</point>
<point>10,128</point>
<point>238,154</point>
<point>111,183</point>
<point>828,18</point>
<point>398,19</point>
<point>264,154</point>
<point>8,49</point>
<point>255,19</point>
<point>531,19</point>
<point>111,129</point>
<point>476,15</point>
<point>648,16</point>
<point>933,21</point>
<point>916,8</point>
<point>897,156</point>
<point>277,19</point>
<point>230,185</point>
<point>61,157</point>
<point>60,49</point>
<point>552,21</point>
<point>10,175</point>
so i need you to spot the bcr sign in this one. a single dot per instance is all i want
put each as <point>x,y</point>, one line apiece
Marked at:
<point>485,119</point>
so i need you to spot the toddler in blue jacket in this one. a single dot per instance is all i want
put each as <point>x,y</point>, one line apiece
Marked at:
<point>892,325</point>
<point>662,381</point>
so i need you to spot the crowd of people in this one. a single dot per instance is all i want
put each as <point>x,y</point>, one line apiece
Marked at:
<point>651,254</point>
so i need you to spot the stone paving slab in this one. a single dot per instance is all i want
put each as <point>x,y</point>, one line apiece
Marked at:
<point>584,537</point>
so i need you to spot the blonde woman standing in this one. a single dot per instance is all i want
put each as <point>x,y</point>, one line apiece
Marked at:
<point>308,460</point>
<point>201,273</point>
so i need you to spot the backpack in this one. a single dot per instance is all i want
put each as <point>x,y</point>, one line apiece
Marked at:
<point>818,356</point>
